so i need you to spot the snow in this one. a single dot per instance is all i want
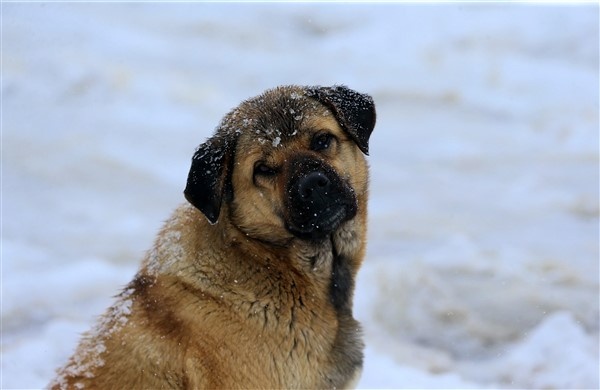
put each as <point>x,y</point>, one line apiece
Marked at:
<point>482,265</point>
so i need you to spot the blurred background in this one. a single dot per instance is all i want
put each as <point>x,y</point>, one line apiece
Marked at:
<point>482,266</point>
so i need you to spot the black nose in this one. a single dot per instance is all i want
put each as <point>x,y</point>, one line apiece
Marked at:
<point>314,187</point>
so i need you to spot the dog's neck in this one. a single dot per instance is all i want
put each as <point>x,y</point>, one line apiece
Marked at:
<point>332,261</point>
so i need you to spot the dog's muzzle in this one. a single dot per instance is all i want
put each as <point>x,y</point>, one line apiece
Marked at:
<point>318,200</point>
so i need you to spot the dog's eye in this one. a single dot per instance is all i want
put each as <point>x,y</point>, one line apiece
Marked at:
<point>263,169</point>
<point>321,142</point>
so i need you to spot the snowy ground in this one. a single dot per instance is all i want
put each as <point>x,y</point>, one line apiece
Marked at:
<point>482,268</point>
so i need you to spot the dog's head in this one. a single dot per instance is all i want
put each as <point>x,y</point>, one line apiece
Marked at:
<point>288,163</point>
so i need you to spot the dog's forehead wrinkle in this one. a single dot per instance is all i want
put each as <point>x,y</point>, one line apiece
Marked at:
<point>272,118</point>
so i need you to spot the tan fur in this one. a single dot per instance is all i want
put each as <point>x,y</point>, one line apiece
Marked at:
<point>242,303</point>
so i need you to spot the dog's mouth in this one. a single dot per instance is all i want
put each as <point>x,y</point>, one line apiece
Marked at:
<point>318,202</point>
<point>322,223</point>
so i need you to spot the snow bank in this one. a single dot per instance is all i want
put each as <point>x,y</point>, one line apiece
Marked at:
<point>482,266</point>
<point>558,353</point>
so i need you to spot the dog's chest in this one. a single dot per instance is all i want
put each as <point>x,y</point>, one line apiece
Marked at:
<point>319,341</point>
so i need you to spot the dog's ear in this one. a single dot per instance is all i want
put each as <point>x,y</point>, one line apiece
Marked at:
<point>206,183</point>
<point>353,110</point>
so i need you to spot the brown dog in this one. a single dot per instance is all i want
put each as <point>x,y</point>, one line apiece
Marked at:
<point>250,285</point>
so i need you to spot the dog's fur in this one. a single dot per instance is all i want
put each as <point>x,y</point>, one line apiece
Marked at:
<point>250,284</point>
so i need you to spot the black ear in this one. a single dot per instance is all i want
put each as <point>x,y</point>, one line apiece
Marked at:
<point>354,111</point>
<point>206,183</point>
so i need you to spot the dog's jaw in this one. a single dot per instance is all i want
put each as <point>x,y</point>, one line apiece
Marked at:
<point>324,224</point>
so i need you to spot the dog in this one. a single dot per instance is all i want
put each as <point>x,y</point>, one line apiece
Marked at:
<point>250,283</point>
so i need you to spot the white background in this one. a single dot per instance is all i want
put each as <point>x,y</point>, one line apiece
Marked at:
<point>482,267</point>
